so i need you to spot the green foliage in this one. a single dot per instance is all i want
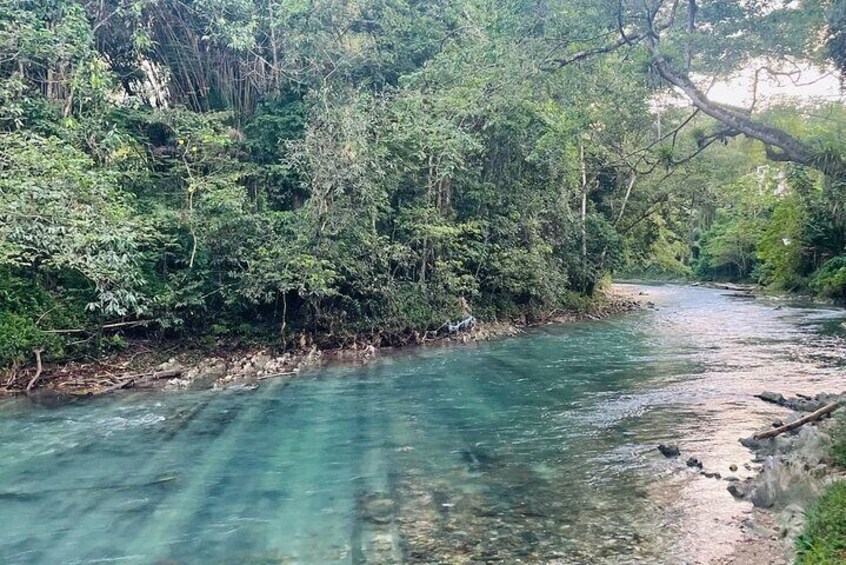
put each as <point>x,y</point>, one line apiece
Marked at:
<point>58,214</point>
<point>830,279</point>
<point>366,169</point>
<point>823,541</point>
<point>837,450</point>
<point>18,338</point>
<point>780,247</point>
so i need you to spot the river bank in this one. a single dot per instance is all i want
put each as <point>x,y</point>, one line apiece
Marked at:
<point>794,469</point>
<point>173,366</point>
<point>537,449</point>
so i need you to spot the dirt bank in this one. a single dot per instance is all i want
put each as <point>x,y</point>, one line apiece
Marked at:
<point>175,366</point>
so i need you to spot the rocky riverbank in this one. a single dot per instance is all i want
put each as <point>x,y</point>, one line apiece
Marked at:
<point>794,469</point>
<point>157,366</point>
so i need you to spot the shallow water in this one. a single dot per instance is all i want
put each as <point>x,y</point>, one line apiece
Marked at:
<point>539,448</point>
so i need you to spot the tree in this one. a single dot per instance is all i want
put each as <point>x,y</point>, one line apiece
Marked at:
<point>683,39</point>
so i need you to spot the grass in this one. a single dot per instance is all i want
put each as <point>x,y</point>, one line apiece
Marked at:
<point>838,446</point>
<point>823,542</point>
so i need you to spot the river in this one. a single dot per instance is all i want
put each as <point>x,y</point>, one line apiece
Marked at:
<point>537,449</point>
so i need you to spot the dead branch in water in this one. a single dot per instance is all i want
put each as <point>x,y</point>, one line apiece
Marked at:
<point>822,412</point>
<point>101,328</point>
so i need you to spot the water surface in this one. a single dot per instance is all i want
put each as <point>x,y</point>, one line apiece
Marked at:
<point>539,448</point>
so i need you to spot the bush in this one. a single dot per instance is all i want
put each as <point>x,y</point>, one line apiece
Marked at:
<point>18,337</point>
<point>830,280</point>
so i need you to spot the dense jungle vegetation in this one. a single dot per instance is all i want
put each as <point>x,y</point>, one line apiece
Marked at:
<point>300,170</point>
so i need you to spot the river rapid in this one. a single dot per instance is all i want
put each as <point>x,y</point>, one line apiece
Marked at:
<point>535,449</point>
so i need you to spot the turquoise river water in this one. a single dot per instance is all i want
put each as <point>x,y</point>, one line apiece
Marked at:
<point>533,449</point>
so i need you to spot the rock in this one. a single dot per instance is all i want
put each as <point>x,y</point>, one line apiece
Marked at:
<point>763,496</point>
<point>694,462</point>
<point>169,365</point>
<point>736,490</point>
<point>377,510</point>
<point>750,443</point>
<point>177,384</point>
<point>669,450</point>
<point>773,397</point>
<point>777,423</point>
<point>260,361</point>
<point>800,403</point>
<point>792,521</point>
<point>477,459</point>
<point>711,475</point>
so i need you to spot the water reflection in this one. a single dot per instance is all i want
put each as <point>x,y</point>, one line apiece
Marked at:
<point>539,448</point>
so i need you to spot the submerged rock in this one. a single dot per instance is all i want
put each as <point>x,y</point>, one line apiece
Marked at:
<point>242,387</point>
<point>476,458</point>
<point>669,450</point>
<point>801,403</point>
<point>694,462</point>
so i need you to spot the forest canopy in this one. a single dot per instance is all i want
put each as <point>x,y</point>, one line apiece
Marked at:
<point>307,170</point>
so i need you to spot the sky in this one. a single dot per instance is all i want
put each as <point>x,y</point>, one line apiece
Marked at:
<point>811,83</point>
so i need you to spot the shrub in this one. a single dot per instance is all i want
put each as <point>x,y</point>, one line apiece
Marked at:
<point>830,280</point>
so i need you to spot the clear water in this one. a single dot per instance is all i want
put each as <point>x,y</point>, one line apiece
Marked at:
<point>539,448</point>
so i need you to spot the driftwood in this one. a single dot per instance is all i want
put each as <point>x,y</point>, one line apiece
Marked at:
<point>731,286</point>
<point>39,368</point>
<point>132,380</point>
<point>277,375</point>
<point>113,326</point>
<point>822,412</point>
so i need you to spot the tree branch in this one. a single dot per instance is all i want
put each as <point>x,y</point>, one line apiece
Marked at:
<point>789,148</point>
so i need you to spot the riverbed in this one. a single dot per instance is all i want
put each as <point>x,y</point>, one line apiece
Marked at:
<point>539,448</point>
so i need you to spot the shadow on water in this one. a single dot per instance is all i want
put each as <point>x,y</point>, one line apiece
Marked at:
<point>536,448</point>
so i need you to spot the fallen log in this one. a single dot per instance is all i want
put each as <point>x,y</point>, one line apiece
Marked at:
<point>114,326</point>
<point>131,380</point>
<point>732,287</point>
<point>822,412</point>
